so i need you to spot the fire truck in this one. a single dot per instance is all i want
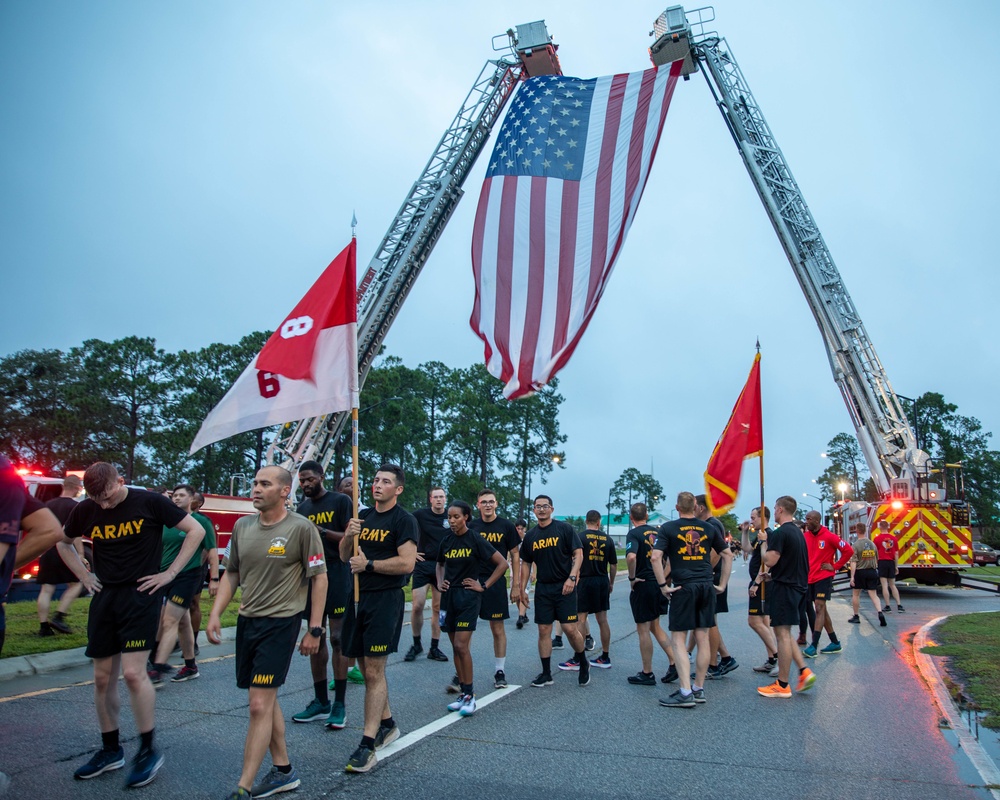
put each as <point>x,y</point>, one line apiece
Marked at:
<point>923,504</point>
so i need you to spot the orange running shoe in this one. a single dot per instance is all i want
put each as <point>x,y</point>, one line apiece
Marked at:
<point>774,690</point>
<point>806,680</point>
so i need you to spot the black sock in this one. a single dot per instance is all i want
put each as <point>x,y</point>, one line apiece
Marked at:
<point>834,639</point>
<point>339,689</point>
<point>387,724</point>
<point>434,644</point>
<point>725,660</point>
<point>319,687</point>
<point>368,741</point>
<point>783,684</point>
<point>284,769</point>
<point>579,657</point>
<point>466,688</point>
<point>146,740</point>
<point>416,642</point>
<point>816,636</point>
<point>604,655</point>
<point>547,665</point>
<point>189,663</point>
<point>110,740</point>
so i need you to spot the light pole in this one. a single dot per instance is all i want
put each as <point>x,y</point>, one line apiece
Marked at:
<point>842,488</point>
<point>821,512</point>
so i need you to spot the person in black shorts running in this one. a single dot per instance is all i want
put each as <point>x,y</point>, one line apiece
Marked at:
<point>330,512</point>
<point>647,601</point>
<point>720,662</point>
<point>433,524</point>
<point>273,555</point>
<point>51,569</point>
<point>593,592</point>
<point>386,536</point>
<point>685,551</point>
<point>864,577</point>
<point>502,536</point>
<point>126,528</point>
<point>757,616</point>
<point>557,552</point>
<point>462,559</point>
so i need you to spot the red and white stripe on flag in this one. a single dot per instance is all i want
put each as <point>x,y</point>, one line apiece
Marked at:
<point>309,366</point>
<point>561,190</point>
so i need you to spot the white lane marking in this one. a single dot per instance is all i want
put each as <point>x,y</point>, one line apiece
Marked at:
<point>439,724</point>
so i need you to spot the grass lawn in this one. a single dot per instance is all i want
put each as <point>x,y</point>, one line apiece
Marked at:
<point>22,626</point>
<point>990,573</point>
<point>972,642</point>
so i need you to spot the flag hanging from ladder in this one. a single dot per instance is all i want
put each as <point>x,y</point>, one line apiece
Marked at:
<point>307,368</point>
<point>742,438</point>
<point>561,190</point>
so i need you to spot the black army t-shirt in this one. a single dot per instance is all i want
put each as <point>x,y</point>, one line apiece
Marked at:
<point>465,556</point>
<point>598,552</point>
<point>382,533</point>
<point>331,512</point>
<point>689,543</point>
<point>754,563</point>
<point>500,534</point>
<point>433,528</point>
<point>550,549</point>
<point>128,539</point>
<point>793,565</point>
<point>640,541</point>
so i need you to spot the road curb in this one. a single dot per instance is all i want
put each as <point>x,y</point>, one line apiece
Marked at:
<point>43,663</point>
<point>928,667</point>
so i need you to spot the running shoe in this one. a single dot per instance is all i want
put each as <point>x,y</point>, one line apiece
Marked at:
<point>678,700</point>
<point>570,666</point>
<point>468,706</point>
<point>361,760</point>
<point>314,711</point>
<point>713,673</point>
<point>414,651</point>
<point>855,620</point>
<point>899,609</point>
<point>642,679</point>
<point>520,621</point>
<point>58,622</point>
<point>887,607</point>
<point>767,666</point>
<point>276,782</point>
<point>774,671</point>
<point>455,687</point>
<point>145,765</point>
<point>698,695</point>
<point>801,640</point>
<point>499,680</point>
<point>454,705</point>
<point>810,651</point>
<point>102,761</point>
<point>45,629</point>
<point>806,680</point>
<point>584,677</point>
<point>435,654</point>
<point>833,647</point>
<point>602,662</point>
<point>386,736</point>
<point>157,674</point>
<point>186,673</point>
<point>670,676</point>
<point>588,644</point>
<point>354,675</point>
<point>557,643</point>
<point>728,664</point>
<point>338,717</point>
<point>239,793</point>
<point>881,620</point>
<point>775,690</point>
<point>542,679</point>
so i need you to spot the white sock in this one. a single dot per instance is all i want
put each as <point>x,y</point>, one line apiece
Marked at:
<point>500,662</point>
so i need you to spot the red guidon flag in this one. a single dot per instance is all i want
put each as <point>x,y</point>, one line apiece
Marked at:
<point>561,190</point>
<point>307,368</point>
<point>743,438</point>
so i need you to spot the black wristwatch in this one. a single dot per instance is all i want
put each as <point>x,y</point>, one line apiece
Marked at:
<point>317,632</point>
<point>370,566</point>
<point>573,578</point>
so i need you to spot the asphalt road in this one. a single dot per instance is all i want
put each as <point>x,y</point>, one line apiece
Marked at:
<point>869,729</point>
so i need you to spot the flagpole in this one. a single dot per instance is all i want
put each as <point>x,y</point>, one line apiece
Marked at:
<point>761,519</point>
<point>354,439</point>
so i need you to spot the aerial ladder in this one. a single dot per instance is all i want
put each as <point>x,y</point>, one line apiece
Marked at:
<point>934,538</point>
<point>417,226</point>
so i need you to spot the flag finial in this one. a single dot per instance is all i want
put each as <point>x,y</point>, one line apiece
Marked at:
<point>354,225</point>
<point>758,344</point>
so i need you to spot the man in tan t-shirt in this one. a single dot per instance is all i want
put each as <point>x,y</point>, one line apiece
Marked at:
<point>864,577</point>
<point>272,556</point>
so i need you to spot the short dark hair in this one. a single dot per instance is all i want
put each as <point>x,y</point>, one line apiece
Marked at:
<point>483,492</point>
<point>638,512</point>
<point>767,512</point>
<point>435,489</point>
<point>685,502</point>
<point>787,502</point>
<point>701,500</point>
<point>543,497</point>
<point>462,506</point>
<point>593,517</point>
<point>187,487</point>
<point>311,466</point>
<point>396,471</point>
<point>522,522</point>
<point>97,478</point>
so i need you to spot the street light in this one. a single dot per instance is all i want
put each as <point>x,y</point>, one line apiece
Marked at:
<point>842,488</point>
<point>815,497</point>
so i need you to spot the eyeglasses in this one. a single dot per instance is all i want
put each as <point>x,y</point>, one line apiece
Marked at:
<point>487,502</point>
<point>542,506</point>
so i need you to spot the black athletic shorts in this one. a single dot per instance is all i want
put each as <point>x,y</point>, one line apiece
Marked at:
<point>783,603</point>
<point>425,573</point>
<point>886,568</point>
<point>692,606</point>
<point>551,604</point>
<point>593,594</point>
<point>372,626</point>
<point>866,579</point>
<point>757,605</point>
<point>647,601</point>
<point>339,587</point>
<point>122,620</point>
<point>461,608</point>
<point>182,589</point>
<point>495,601</point>
<point>722,601</point>
<point>53,570</point>
<point>264,649</point>
<point>822,589</point>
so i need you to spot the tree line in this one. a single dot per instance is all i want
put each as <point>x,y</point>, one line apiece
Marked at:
<point>133,404</point>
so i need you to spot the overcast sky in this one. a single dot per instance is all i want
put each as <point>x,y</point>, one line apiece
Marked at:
<point>185,171</point>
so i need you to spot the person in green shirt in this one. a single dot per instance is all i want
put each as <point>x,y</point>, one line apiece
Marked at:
<point>175,621</point>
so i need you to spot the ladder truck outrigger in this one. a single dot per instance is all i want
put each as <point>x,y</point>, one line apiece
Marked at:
<point>923,504</point>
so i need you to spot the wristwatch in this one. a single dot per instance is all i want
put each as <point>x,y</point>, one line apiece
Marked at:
<point>573,578</point>
<point>317,632</point>
<point>370,566</point>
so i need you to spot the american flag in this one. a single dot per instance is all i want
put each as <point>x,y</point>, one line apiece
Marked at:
<point>561,190</point>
